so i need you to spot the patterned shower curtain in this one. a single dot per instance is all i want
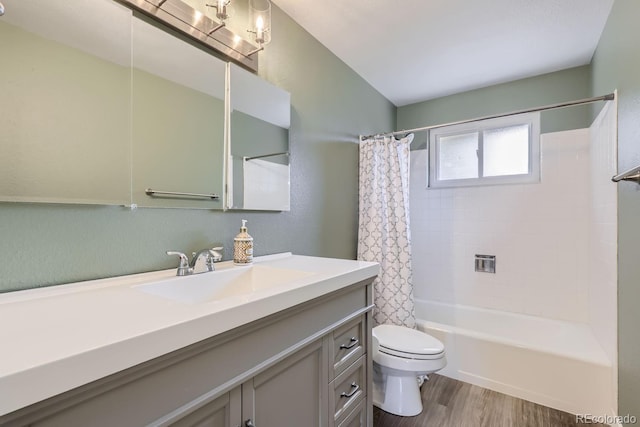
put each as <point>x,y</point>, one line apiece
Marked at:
<point>383,232</point>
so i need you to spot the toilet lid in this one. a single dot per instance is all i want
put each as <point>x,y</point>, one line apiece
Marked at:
<point>407,340</point>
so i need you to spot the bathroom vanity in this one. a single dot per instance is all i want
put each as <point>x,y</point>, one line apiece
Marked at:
<point>285,342</point>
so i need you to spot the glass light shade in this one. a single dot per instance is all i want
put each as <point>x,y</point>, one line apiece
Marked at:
<point>260,20</point>
<point>222,9</point>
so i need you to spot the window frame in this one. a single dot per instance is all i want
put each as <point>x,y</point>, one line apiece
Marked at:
<point>532,120</point>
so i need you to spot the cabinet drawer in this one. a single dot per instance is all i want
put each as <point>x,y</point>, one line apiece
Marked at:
<point>348,389</point>
<point>348,344</point>
<point>357,417</point>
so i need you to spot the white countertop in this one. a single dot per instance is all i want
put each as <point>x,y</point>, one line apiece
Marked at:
<point>57,338</point>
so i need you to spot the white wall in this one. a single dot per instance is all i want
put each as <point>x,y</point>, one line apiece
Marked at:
<point>538,232</point>
<point>603,242</point>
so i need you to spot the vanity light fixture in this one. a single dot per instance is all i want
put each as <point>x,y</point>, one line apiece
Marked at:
<point>210,29</point>
<point>260,23</point>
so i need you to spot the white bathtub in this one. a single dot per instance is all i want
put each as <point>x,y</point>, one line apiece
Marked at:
<point>550,362</point>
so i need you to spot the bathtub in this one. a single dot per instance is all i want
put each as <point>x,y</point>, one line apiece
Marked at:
<point>554,363</point>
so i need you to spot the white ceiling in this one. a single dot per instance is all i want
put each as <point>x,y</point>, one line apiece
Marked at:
<point>415,50</point>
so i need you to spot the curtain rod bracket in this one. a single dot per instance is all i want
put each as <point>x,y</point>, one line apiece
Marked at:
<point>630,175</point>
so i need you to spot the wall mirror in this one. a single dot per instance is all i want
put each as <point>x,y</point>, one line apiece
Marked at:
<point>177,120</point>
<point>258,163</point>
<point>65,119</point>
<point>101,105</point>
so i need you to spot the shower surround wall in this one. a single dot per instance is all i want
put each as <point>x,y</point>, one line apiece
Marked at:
<point>538,233</point>
<point>556,248</point>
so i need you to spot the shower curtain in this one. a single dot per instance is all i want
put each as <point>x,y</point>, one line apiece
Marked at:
<point>383,231</point>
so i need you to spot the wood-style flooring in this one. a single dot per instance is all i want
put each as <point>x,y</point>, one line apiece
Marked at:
<point>451,403</point>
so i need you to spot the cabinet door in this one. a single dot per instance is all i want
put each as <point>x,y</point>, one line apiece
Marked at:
<point>222,412</point>
<point>291,393</point>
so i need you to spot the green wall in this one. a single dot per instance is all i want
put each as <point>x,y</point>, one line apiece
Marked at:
<point>44,244</point>
<point>616,65</point>
<point>546,89</point>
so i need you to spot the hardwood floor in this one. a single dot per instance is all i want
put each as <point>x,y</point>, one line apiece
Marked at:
<point>451,403</point>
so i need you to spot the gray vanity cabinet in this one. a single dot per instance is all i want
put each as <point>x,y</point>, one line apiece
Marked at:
<point>287,394</point>
<point>222,412</point>
<point>292,393</point>
<point>306,366</point>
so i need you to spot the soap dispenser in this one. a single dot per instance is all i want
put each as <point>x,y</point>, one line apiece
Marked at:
<point>243,246</point>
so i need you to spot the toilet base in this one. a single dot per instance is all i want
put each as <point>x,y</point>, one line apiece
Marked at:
<point>396,394</point>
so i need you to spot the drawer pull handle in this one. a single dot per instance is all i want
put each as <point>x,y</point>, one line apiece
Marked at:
<point>355,388</point>
<point>352,343</point>
<point>249,423</point>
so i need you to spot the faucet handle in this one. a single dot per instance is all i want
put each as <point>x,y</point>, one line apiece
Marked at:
<point>183,267</point>
<point>217,253</point>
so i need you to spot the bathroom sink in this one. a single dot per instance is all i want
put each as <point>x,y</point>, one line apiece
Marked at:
<point>223,284</point>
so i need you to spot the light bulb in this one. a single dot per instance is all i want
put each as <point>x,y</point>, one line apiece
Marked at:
<point>260,30</point>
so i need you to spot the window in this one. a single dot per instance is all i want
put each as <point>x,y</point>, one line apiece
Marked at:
<point>495,151</point>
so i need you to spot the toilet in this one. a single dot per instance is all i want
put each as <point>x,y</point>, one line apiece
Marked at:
<point>402,357</point>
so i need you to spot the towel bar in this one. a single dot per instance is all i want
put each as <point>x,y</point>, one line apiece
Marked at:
<point>286,153</point>
<point>150,192</point>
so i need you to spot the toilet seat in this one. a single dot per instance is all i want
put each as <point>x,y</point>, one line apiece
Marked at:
<point>406,343</point>
<point>413,356</point>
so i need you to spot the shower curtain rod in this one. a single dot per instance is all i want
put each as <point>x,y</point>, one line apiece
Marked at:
<point>607,97</point>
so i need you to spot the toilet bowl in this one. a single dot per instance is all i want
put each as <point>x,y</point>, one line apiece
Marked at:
<point>401,358</point>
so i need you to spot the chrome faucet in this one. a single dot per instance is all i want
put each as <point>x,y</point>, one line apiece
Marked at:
<point>201,262</point>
